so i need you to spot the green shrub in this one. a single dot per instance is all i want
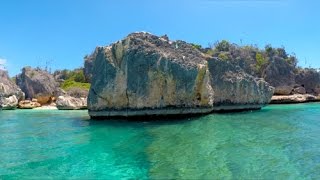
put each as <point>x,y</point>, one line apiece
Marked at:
<point>68,84</point>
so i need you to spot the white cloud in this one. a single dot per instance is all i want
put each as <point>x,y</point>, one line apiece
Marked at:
<point>2,63</point>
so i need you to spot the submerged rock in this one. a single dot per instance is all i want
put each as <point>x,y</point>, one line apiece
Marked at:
<point>10,93</point>
<point>39,84</point>
<point>147,75</point>
<point>71,103</point>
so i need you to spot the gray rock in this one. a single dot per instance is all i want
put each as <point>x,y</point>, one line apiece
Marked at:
<point>309,79</point>
<point>147,75</point>
<point>299,90</point>
<point>280,75</point>
<point>37,83</point>
<point>88,66</point>
<point>9,91</point>
<point>9,103</point>
<point>71,103</point>
<point>235,90</point>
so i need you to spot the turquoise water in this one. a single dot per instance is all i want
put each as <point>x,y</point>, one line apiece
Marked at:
<point>281,142</point>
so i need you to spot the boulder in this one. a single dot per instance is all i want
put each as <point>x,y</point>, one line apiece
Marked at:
<point>280,74</point>
<point>71,103</point>
<point>9,92</point>
<point>27,104</point>
<point>148,75</point>
<point>309,79</point>
<point>296,98</point>
<point>299,90</point>
<point>9,103</point>
<point>37,83</point>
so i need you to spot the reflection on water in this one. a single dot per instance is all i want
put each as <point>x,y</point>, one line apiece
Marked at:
<point>276,142</point>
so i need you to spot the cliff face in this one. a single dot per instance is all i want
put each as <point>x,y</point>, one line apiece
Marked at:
<point>281,76</point>
<point>39,84</point>
<point>149,75</point>
<point>9,92</point>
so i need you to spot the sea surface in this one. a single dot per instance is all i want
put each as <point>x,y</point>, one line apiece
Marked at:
<point>277,142</point>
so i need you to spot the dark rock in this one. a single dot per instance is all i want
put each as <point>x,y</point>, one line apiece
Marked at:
<point>309,79</point>
<point>148,75</point>
<point>37,83</point>
<point>280,75</point>
<point>299,90</point>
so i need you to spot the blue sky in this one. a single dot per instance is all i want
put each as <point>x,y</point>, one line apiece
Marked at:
<point>62,32</point>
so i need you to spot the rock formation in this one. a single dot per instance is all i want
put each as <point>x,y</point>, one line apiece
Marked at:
<point>148,75</point>
<point>27,104</point>
<point>9,92</point>
<point>88,66</point>
<point>71,103</point>
<point>309,79</point>
<point>280,75</point>
<point>37,83</point>
<point>296,98</point>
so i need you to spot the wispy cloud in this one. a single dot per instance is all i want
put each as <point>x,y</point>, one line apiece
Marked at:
<point>3,62</point>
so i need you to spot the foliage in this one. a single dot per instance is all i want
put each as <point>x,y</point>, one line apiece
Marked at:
<point>76,75</point>
<point>249,57</point>
<point>196,46</point>
<point>68,84</point>
<point>222,45</point>
<point>260,61</point>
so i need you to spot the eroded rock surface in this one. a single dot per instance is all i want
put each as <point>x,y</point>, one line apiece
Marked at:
<point>39,84</point>
<point>10,93</point>
<point>149,75</point>
<point>280,75</point>
<point>71,103</point>
<point>296,98</point>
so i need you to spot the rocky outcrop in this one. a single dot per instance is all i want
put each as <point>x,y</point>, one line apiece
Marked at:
<point>296,98</point>
<point>27,104</point>
<point>309,79</point>
<point>9,103</point>
<point>37,83</point>
<point>9,92</point>
<point>280,75</point>
<point>88,66</point>
<point>149,75</point>
<point>71,103</point>
<point>235,89</point>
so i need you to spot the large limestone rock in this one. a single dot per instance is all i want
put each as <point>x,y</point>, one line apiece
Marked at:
<point>71,103</point>
<point>10,93</point>
<point>280,75</point>
<point>147,75</point>
<point>37,83</point>
<point>309,79</point>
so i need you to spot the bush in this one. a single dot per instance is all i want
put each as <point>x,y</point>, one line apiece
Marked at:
<point>68,84</point>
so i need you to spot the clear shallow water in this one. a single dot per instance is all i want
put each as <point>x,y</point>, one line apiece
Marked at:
<point>280,142</point>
